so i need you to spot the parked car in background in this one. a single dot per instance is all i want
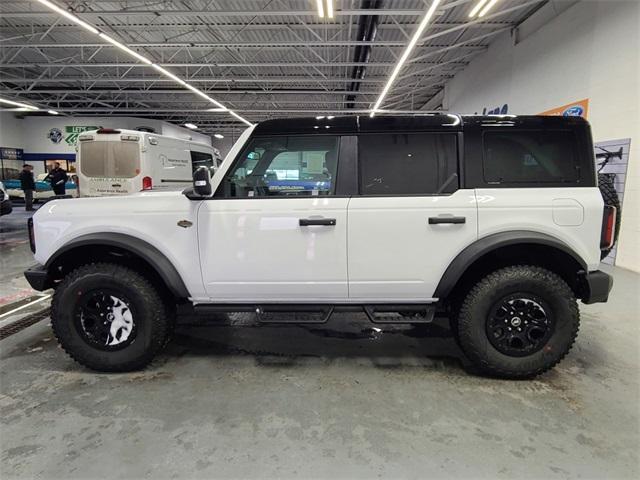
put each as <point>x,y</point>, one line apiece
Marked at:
<point>118,162</point>
<point>5,202</point>
<point>43,189</point>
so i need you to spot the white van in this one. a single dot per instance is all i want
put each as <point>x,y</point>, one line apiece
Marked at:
<point>119,162</point>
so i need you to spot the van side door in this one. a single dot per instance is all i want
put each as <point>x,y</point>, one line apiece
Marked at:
<point>410,218</point>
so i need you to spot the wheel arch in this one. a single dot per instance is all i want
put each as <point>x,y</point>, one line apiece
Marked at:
<point>510,248</point>
<point>119,248</point>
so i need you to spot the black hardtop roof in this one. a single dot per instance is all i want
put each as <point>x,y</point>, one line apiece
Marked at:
<point>387,123</point>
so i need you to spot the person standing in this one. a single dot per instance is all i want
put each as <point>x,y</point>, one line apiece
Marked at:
<point>28,185</point>
<point>58,178</point>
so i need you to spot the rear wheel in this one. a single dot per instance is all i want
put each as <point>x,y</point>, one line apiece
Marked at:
<point>109,318</point>
<point>518,322</point>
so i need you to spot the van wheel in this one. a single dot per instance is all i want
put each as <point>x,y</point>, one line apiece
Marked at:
<point>518,322</point>
<point>109,318</point>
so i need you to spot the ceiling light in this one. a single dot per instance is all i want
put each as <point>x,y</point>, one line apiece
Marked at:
<point>69,15</point>
<point>484,11</point>
<point>405,55</point>
<point>217,109</point>
<point>320,117</point>
<point>125,48</point>
<point>477,8</point>
<point>18,104</point>
<point>192,126</point>
<point>320,8</point>
<point>169,74</point>
<point>218,135</point>
<point>53,112</point>
<point>330,8</point>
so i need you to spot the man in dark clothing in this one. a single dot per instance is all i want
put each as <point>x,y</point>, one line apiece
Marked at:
<point>28,185</point>
<point>58,177</point>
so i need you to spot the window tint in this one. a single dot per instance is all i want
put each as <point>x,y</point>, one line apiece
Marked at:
<point>407,164</point>
<point>110,159</point>
<point>292,166</point>
<point>530,156</point>
<point>201,159</point>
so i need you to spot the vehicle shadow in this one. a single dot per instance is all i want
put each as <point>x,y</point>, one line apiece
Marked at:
<point>345,335</point>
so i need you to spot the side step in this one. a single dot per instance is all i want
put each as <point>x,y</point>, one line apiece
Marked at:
<point>308,313</point>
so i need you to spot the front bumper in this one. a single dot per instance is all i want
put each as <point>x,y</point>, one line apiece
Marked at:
<point>38,277</point>
<point>596,287</point>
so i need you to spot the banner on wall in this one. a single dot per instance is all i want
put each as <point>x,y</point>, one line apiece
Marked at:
<point>73,132</point>
<point>616,166</point>
<point>575,109</point>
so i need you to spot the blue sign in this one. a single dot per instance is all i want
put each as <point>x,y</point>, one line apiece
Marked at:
<point>11,153</point>
<point>575,111</point>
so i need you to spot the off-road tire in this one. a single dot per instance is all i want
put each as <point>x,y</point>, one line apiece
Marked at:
<point>610,197</point>
<point>151,318</point>
<point>475,310</point>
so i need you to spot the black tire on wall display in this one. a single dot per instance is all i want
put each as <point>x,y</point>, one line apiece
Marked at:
<point>610,197</point>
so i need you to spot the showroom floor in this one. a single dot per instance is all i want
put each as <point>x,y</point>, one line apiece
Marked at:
<point>342,400</point>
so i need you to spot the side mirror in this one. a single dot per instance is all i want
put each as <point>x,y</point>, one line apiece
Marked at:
<point>202,182</point>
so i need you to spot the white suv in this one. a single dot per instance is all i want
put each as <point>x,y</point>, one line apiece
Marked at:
<point>496,222</point>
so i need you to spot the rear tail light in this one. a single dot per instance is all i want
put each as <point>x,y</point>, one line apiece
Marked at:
<point>607,237</point>
<point>32,237</point>
<point>147,183</point>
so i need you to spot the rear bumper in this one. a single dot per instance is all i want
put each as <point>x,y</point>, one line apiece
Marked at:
<point>596,287</point>
<point>38,278</point>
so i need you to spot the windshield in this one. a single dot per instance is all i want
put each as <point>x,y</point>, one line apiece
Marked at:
<point>110,159</point>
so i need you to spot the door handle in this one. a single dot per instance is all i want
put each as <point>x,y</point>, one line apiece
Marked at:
<point>306,222</point>
<point>451,219</point>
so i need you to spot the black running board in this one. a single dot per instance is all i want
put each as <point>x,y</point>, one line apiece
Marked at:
<point>321,313</point>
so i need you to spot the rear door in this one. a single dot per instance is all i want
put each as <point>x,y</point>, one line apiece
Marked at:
<point>275,230</point>
<point>410,218</point>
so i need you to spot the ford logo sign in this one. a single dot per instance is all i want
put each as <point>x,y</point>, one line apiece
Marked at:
<point>575,111</point>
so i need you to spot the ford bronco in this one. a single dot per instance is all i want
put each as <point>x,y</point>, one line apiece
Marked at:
<point>495,222</point>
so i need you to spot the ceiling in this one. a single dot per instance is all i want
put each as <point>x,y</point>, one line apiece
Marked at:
<point>262,58</point>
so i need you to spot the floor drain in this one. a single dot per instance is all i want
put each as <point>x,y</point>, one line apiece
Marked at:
<point>23,323</point>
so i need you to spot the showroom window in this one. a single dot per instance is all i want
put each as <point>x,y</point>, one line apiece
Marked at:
<point>530,157</point>
<point>408,164</point>
<point>285,166</point>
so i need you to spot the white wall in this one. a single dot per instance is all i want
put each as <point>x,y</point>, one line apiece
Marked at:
<point>10,131</point>
<point>589,51</point>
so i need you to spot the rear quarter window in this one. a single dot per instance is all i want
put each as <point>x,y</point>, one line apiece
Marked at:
<point>530,156</point>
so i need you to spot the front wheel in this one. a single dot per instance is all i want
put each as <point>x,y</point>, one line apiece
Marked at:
<point>518,322</point>
<point>109,318</point>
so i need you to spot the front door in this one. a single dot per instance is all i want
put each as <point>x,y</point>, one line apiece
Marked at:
<point>275,231</point>
<point>410,219</point>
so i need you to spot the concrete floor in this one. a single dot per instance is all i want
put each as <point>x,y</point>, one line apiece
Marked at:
<point>337,401</point>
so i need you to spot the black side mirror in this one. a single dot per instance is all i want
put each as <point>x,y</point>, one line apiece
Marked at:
<point>202,182</point>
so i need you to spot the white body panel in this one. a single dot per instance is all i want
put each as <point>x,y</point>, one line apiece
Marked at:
<point>571,215</point>
<point>149,216</point>
<point>166,160</point>
<point>395,254</point>
<point>255,250</point>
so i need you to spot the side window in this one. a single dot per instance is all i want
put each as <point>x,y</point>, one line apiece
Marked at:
<point>408,164</point>
<point>200,159</point>
<point>513,156</point>
<point>285,166</point>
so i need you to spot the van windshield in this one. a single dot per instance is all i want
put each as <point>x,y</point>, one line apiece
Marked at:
<point>110,159</point>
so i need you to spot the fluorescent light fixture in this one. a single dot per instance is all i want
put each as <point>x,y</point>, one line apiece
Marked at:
<point>484,11</point>
<point>18,104</point>
<point>218,135</point>
<point>217,109</point>
<point>125,48</point>
<point>69,15</point>
<point>320,117</point>
<point>53,112</point>
<point>330,8</point>
<point>320,8</point>
<point>167,73</point>
<point>405,55</point>
<point>192,126</point>
<point>477,8</point>
<point>141,58</point>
